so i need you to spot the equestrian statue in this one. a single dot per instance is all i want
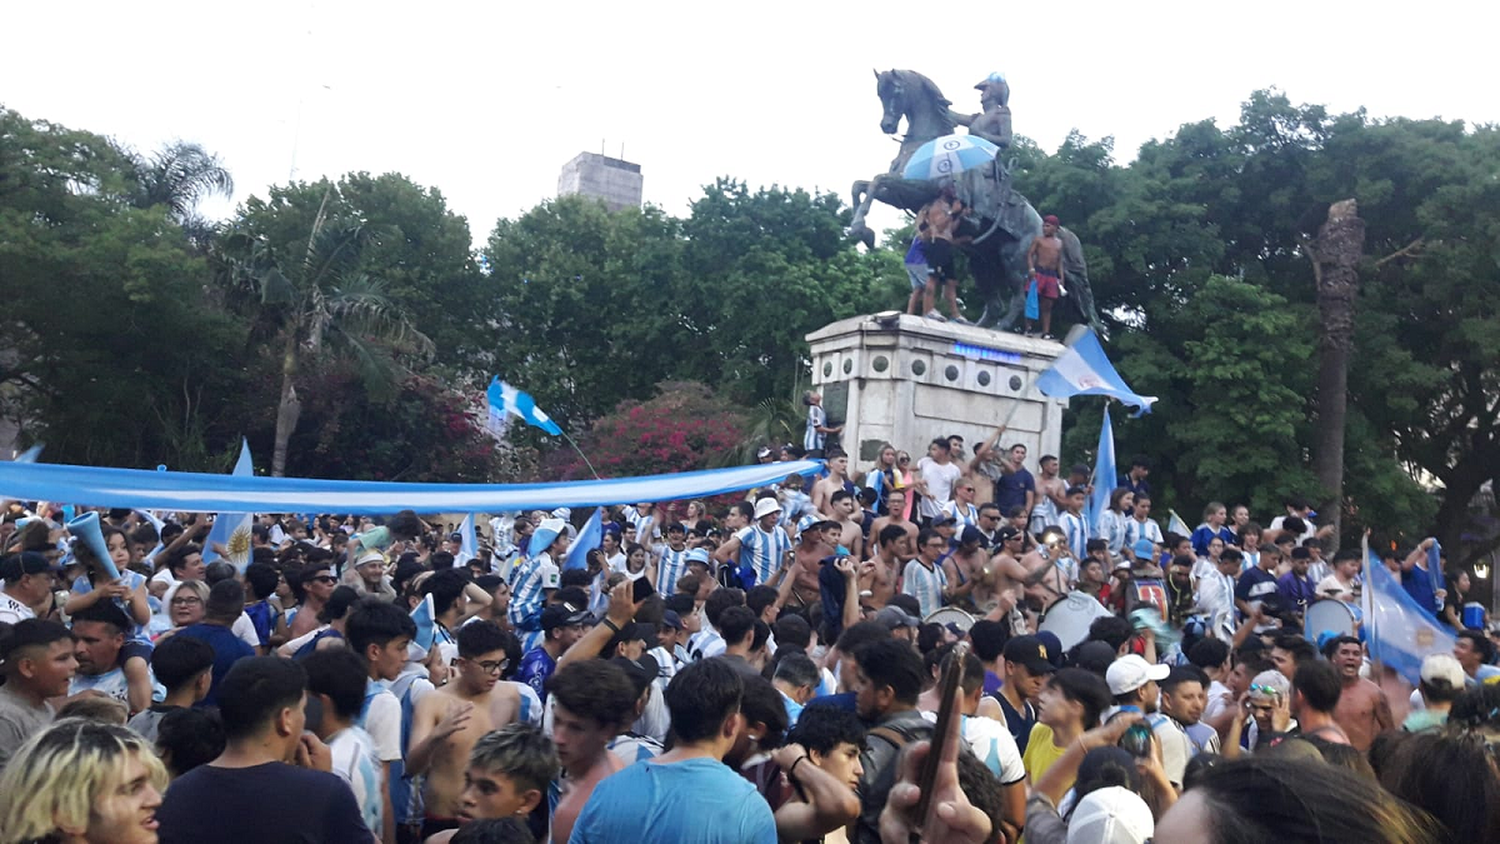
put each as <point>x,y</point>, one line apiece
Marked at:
<point>1001,227</point>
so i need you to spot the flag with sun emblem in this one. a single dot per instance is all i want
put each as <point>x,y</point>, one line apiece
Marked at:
<point>231,531</point>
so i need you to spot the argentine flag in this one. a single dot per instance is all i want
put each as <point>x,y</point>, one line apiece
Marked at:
<point>1084,370</point>
<point>468,548</point>
<point>588,539</point>
<point>1399,633</point>
<point>505,400</point>
<point>1104,475</point>
<point>231,531</point>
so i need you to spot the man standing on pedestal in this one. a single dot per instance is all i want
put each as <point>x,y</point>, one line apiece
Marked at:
<point>1044,265</point>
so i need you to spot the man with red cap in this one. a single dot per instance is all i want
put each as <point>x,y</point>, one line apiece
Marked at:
<point>1044,265</point>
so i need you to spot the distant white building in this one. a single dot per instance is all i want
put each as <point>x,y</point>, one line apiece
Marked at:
<point>616,182</point>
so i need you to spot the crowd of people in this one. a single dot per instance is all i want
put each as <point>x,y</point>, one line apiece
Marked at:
<point>762,668</point>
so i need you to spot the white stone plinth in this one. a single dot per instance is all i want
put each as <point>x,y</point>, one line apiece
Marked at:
<point>918,379</point>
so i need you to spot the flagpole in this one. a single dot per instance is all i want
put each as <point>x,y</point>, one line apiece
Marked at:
<point>581,454</point>
<point>1369,609</point>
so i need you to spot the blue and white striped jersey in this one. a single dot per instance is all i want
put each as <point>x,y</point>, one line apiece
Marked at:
<point>671,566</point>
<point>1076,532</point>
<point>762,552</point>
<point>924,584</point>
<point>528,595</point>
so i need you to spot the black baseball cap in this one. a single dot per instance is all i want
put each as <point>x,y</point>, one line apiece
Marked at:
<point>1030,652</point>
<point>642,672</point>
<point>1006,533</point>
<point>17,566</point>
<point>564,615</point>
<point>944,519</point>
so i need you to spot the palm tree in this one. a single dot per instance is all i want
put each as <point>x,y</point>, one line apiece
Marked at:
<point>322,304</point>
<point>179,176</point>
<point>1336,255</point>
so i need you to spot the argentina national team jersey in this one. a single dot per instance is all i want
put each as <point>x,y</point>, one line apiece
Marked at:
<point>965,514</point>
<point>671,568</point>
<point>924,584</point>
<point>816,418</point>
<point>534,577</point>
<point>1076,531</point>
<point>1136,530</point>
<point>763,552</point>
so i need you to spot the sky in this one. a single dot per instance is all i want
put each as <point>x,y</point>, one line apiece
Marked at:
<point>486,102</point>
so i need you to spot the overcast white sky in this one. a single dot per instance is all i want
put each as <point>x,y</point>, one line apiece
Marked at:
<point>487,101</point>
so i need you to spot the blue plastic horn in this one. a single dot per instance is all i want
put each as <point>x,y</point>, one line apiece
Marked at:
<point>85,530</point>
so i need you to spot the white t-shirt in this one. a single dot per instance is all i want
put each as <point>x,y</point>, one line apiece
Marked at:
<point>355,762</point>
<point>940,478</point>
<point>993,745</point>
<point>383,722</point>
<point>13,611</point>
<point>1219,699</point>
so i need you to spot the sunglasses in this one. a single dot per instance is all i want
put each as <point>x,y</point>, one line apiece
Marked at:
<point>325,578</point>
<point>1268,691</point>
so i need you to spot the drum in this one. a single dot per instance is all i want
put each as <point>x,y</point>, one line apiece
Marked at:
<point>1069,619</point>
<point>950,615</point>
<point>1473,617</point>
<point>1329,616</point>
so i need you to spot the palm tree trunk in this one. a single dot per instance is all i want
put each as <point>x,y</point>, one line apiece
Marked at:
<point>289,409</point>
<point>1336,255</point>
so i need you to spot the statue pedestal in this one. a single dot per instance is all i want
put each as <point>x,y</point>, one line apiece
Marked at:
<point>907,380</point>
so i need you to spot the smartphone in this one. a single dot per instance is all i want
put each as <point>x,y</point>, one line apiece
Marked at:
<point>953,669</point>
<point>1137,741</point>
<point>641,590</point>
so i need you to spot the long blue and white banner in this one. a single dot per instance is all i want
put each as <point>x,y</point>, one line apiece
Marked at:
<point>194,492</point>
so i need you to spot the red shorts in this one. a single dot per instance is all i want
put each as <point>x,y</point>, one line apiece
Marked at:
<point>1046,285</point>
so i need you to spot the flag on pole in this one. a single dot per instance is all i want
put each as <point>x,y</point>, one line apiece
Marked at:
<point>1104,474</point>
<point>589,538</point>
<point>1399,632</point>
<point>425,618</point>
<point>1084,370</point>
<point>1435,571</point>
<point>468,546</point>
<point>505,400</point>
<point>1176,525</point>
<point>231,531</point>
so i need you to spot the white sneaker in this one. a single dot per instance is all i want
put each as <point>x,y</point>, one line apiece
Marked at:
<point>934,315</point>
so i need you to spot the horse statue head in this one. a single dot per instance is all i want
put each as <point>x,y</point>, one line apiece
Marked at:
<point>906,93</point>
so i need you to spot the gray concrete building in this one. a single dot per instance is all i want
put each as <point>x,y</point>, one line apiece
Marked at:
<point>616,182</point>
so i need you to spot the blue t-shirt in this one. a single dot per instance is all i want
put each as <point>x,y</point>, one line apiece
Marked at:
<point>536,666</point>
<point>696,801</point>
<point>915,254</point>
<point>228,649</point>
<point>1011,489</point>
<point>1418,584</point>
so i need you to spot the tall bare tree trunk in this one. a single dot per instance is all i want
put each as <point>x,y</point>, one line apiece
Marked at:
<point>289,409</point>
<point>1336,255</point>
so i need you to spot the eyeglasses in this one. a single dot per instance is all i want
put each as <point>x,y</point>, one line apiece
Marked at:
<point>186,601</point>
<point>325,578</point>
<point>1268,691</point>
<point>492,666</point>
<point>903,459</point>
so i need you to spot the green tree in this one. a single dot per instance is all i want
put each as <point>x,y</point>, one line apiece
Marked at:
<point>108,356</point>
<point>314,298</point>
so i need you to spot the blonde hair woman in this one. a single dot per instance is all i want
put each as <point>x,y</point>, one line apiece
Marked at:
<point>81,781</point>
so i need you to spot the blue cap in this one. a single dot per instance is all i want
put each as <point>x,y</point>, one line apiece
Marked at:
<point>996,76</point>
<point>698,555</point>
<point>1144,548</point>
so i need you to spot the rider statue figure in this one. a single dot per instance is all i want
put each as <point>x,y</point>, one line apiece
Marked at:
<point>993,124</point>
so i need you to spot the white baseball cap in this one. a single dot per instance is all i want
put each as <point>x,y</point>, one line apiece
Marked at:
<point>1112,815</point>
<point>1443,667</point>
<point>765,507</point>
<point>1129,673</point>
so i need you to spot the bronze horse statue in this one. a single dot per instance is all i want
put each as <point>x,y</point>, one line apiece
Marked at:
<point>1002,223</point>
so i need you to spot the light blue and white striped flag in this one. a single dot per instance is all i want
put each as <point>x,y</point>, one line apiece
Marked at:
<point>231,531</point>
<point>1176,525</point>
<point>468,547</point>
<point>589,538</point>
<point>1104,475</point>
<point>505,400</point>
<point>1084,370</point>
<point>1399,633</point>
